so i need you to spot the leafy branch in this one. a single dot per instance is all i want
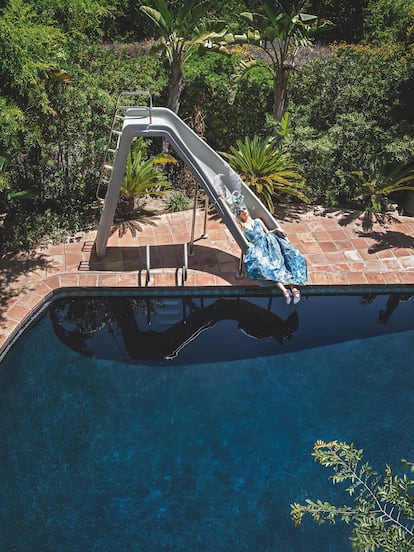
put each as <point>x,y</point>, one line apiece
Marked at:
<point>383,507</point>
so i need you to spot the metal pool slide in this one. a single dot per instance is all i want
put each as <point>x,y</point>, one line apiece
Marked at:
<point>212,172</point>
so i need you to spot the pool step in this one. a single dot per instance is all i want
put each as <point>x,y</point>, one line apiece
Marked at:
<point>169,312</point>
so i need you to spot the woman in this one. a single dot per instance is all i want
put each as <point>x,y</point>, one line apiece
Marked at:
<point>271,256</point>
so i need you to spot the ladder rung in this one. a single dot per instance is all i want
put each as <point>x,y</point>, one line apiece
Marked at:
<point>117,132</point>
<point>108,167</point>
<point>119,117</point>
<point>110,150</point>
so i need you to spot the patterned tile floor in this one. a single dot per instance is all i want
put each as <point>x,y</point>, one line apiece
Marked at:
<point>338,251</point>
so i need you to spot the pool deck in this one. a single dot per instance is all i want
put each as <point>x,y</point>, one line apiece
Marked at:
<point>337,249</point>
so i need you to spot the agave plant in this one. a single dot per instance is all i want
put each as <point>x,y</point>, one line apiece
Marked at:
<point>144,175</point>
<point>266,169</point>
<point>375,185</point>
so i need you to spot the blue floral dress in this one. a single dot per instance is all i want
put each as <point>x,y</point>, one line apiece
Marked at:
<point>271,257</point>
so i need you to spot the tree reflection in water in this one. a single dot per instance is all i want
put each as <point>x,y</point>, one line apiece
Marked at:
<point>200,328</point>
<point>148,333</point>
<point>392,303</point>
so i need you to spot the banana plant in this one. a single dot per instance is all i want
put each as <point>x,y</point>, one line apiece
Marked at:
<point>278,32</point>
<point>266,169</point>
<point>182,34</point>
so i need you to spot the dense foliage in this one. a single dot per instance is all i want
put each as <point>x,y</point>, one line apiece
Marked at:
<point>53,131</point>
<point>349,109</point>
<point>347,17</point>
<point>207,87</point>
<point>390,21</point>
<point>61,72</point>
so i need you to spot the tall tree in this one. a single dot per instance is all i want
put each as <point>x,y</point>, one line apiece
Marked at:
<point>278,32</point>
<point>31,50</point>
<point>182,33</point>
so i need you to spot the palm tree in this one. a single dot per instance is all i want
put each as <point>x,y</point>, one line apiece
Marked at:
<point>142,175</point>
<point>375,185</point>
<point>266,169</point>
<point>279,33</point>
<point>181,34</point>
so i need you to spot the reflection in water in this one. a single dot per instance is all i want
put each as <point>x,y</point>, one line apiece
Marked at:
<point>133,319</point>
<point>187,329</point>
<point>392,303</point>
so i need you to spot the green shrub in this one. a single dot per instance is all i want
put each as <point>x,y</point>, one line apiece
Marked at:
<point>389,21</point>
<point>178,202</point>
<point>59,155</point>
<point>347,110</point>
<point>207,86</point>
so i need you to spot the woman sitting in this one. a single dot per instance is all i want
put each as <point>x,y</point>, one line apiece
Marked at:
<point>271,256</point>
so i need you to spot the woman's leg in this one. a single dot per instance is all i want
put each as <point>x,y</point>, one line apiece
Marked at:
<point>285,292</point>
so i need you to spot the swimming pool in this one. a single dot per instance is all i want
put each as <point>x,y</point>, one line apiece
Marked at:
<point>186,422</point>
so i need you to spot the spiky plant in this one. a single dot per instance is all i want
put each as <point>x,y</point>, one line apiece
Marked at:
<point>374,185</point>
<point>144,175</point>
<point>269,171</point>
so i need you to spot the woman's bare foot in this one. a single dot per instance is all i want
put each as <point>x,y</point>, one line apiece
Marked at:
<point>296,295</point>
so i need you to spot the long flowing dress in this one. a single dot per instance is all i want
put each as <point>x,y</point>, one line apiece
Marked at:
<point>271,257</point>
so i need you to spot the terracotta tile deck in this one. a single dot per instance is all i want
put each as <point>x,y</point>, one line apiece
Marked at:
<point>338,253</point>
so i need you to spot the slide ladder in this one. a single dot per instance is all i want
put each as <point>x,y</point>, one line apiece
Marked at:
<point>125,101</point>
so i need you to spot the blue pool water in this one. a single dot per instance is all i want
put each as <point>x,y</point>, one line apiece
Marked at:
<point>100,450</point>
